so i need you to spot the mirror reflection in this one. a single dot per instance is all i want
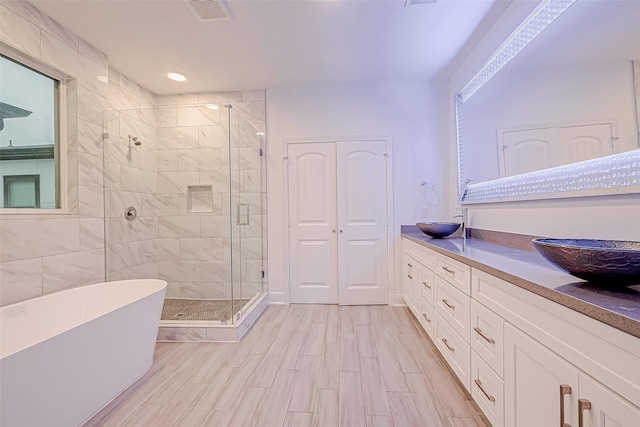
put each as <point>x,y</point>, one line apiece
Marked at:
<point>570,95</point>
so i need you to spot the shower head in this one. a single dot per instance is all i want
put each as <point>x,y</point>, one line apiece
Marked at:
<point>136,141</point>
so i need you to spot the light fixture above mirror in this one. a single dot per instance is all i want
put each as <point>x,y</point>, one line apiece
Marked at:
<point>493,168</point>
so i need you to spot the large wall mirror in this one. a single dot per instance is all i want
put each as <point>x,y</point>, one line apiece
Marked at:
<point>555,111</point>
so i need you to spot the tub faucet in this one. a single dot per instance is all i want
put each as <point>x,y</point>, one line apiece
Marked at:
<point>463,215</point>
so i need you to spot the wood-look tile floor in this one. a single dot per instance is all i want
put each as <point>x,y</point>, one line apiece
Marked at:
<point>301,365</point>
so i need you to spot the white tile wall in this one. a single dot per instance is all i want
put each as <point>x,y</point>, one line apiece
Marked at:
<point>73,269</point>
<point>18,32</point>
<point>20,280</point>
<point>131,179</point>
<point>53,252</point>
<point>184,143</point>
<point>68,59</point>
<point>45,23</point>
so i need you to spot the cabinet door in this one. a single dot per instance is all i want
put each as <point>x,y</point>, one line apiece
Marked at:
<point>408,267</point>
<point>533,379</point>
<point>601,407</point>
<point>417,289</point>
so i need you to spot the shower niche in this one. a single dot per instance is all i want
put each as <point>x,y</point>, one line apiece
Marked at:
<point>198,183</point>
<point>200,199</point>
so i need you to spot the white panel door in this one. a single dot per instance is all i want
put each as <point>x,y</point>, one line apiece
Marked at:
<point>362,222</point>
<point>312,223</point>
<point>528,150</point>
<point>585,142</point>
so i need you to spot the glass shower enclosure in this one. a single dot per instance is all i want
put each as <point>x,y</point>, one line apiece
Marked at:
<point>184,201</point>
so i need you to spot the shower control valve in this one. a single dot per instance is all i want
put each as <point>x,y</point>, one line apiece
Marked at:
<point>130,213</point>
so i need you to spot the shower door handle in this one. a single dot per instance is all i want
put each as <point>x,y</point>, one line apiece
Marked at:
<point>243,214</point>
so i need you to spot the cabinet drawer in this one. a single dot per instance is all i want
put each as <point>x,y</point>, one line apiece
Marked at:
<point>454,307</point>
<point>454,349</point>
<point>487,336</point>
<point>425,256</point>
<point>427,317</point>
<point>427,283</point>
<point>487,389</point>
<point>454,272</point>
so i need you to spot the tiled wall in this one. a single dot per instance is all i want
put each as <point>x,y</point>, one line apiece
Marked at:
<point>130,180</point>
<point>183,143</point>
<point>41,254</point>
<point>194,248</point>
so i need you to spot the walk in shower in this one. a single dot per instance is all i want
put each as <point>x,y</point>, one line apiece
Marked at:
<point>184,201</point>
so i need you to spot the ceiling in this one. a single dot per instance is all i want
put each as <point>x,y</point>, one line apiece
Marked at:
<point>267,44</point>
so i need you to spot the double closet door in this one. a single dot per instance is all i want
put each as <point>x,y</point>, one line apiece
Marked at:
<point>338,245</point>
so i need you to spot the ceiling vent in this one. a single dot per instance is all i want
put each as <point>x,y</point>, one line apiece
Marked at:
<point>417,2</point>
<point>208,10</point>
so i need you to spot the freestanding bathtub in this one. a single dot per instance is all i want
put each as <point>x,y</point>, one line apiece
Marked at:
<point>64,356</point>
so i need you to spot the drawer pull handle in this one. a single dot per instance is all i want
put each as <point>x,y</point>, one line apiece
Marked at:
<point>409,276</point>
<point>409,265</point>
<point>451,306</point>
<point>489,340</point>
<point>487,395</point>
<point>451,349</point>
<point>564,390</point>
<point>425,284</point>
<point>426,318</point>
<point>448,270</point>
<point>583,405</point>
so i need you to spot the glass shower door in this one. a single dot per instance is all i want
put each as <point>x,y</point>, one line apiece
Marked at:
<point>247,211</point>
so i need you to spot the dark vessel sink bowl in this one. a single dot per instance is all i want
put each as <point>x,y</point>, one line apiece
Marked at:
<point>438,230</point>
<point>604,262</point>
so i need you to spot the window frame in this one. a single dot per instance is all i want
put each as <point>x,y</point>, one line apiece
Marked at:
<point>65,127</point>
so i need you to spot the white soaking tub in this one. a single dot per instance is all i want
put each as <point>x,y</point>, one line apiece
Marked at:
<point>66,355</point>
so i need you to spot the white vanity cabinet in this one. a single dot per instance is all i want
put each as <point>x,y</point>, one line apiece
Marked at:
<point>444,285</point>
<point>527,361</point>
<point>410,268</point>
<point>543,389</point>
<point>560,367</point>
<point>418,283</point>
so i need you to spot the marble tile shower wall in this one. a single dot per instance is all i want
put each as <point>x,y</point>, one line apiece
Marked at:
<point>130,180</point>
<point>40,254</point>
<point>194,248</point>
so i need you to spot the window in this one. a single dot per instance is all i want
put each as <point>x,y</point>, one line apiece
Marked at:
<point>29,136</point>
<point>21,191</point>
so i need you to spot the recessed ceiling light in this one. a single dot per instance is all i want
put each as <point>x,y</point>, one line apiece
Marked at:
<point>260,133</point>
<point>177,77</point>
<point>212,106</point>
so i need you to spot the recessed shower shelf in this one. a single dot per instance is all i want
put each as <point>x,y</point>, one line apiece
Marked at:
<point>199,199</point>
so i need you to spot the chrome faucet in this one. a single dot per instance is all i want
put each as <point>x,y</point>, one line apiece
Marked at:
<point>463,215</point>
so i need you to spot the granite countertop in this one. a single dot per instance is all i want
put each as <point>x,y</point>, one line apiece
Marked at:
<point>619,307</point>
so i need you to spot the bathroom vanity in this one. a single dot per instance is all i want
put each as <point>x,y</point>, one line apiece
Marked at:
<point>533,345</point>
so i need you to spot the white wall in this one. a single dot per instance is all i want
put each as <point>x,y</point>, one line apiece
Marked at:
<point>605,217</point>
<point>405,111</point>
